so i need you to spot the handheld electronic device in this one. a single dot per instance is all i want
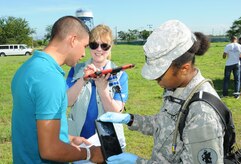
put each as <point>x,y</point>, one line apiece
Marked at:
<point>109,142</point>
<point>111,71</point>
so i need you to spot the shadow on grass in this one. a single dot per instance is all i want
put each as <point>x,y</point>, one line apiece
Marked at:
<point>218,85</point>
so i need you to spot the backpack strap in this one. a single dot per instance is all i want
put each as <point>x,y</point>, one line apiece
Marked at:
<point>222,110</point>
<point>183,111</point>
<point>212,100</point>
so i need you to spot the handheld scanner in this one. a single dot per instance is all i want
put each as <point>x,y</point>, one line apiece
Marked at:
<point>111,71</point>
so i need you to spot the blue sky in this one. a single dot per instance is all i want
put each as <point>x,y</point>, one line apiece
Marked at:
<point>207,16</point>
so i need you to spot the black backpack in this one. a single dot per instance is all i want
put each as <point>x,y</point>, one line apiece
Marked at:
<point>226,116</point>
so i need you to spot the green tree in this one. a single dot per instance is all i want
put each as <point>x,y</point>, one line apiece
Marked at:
<point>235,29</point>
<point>132,35</point>
<point>122,35</point>
<point>128,36</point>
<point>144,34</point>
<point>15,30</point>
<point>48,33</point>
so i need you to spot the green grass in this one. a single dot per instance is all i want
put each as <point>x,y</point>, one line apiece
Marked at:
<point>145,97</point>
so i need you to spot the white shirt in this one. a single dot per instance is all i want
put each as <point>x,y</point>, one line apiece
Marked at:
<point>233,50</point>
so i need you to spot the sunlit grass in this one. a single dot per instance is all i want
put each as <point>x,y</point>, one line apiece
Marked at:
<point>145,97</point>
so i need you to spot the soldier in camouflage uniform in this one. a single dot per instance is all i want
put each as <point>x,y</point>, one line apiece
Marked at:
<point>170,55</point>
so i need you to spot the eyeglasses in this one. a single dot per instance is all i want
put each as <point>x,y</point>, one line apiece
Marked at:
<point>104,46</point>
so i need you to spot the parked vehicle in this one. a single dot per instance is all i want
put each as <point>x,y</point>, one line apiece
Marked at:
<point>15,49</point>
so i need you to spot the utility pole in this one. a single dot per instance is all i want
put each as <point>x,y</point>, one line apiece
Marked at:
<point>150,27</point>
<point>116,35</point>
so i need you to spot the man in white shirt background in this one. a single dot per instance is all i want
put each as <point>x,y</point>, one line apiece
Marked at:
<point>232,52</point>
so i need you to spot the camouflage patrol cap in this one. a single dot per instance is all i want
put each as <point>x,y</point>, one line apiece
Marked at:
<point>166,43</point>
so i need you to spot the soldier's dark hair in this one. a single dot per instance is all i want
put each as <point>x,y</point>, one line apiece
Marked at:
<point>199,47</point>
<point>68,24</point>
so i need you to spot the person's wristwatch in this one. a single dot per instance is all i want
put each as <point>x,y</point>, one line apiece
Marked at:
<point>88,154</point>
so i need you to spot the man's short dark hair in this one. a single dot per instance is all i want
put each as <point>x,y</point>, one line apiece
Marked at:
<point>232,38</point>
<point>67,24</point>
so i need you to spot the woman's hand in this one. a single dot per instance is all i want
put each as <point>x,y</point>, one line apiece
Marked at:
<point>101,82</point>
<point>90,69</point>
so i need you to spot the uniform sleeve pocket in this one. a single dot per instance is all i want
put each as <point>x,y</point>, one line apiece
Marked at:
<point>201,134</point>
<point>204,144</point>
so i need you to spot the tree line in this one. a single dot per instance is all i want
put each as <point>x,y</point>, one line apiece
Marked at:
<point>17,31</point>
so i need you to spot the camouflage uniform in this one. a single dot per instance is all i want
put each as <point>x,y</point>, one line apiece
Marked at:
<point>202,135</point>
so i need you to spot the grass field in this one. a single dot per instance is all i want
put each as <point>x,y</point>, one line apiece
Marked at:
<point>144,96</point>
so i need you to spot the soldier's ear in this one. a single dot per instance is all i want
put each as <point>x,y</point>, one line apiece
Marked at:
<point>185,68</point>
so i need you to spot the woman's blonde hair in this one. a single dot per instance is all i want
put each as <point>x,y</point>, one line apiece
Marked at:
<point>103,33</point>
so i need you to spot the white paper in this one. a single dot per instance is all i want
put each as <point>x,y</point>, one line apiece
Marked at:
<point>94,140</point>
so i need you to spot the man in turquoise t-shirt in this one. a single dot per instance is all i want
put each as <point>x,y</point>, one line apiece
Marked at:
<point>39,125</point>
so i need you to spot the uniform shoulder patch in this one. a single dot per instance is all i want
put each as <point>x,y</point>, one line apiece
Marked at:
<point>207,155</point>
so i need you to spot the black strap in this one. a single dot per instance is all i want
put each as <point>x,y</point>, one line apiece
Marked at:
<point>175,100</point>
<point>215,102</point>
<point>222,110</point>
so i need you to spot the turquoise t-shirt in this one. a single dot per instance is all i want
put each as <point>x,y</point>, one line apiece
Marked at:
<point>39,93</point>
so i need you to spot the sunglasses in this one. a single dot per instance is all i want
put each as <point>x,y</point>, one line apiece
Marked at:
<point>104,46</point>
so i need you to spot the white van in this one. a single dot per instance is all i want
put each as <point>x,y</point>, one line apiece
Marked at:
<point>15,49</point>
